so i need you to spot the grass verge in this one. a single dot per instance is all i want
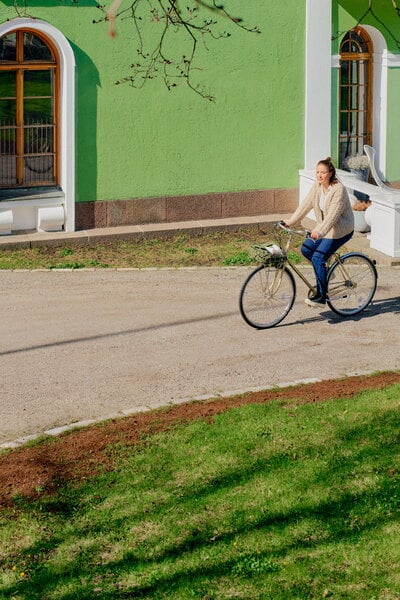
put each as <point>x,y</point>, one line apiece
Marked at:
<point>279,500</point>
<point>217,249</point>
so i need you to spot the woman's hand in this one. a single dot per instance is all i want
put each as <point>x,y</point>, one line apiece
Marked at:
<point>314,235</point>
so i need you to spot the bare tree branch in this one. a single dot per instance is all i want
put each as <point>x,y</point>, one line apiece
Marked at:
<point>171,17</point>
<point>396,8</point>
<point>370,10</point>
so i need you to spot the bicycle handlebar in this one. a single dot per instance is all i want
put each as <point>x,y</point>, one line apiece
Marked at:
<point>302,232</point>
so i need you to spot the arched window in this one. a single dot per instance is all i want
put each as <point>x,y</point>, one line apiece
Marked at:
<point>355,94</point>
<point>28,110</point>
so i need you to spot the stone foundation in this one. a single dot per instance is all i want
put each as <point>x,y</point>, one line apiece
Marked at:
<point>114,213</point>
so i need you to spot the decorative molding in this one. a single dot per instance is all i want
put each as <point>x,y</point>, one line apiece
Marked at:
<point>335,61</point>
<point>390,60</point>
<point>386,59</point>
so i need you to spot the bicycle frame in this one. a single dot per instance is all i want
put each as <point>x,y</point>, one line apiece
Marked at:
<point>288,262</point>
<point>336,257</point>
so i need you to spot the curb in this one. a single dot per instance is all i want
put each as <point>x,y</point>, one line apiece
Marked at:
<point>56,431</point>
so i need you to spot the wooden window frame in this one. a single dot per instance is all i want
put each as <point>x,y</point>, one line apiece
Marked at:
<point>365,137</point>
<point>20,66</point>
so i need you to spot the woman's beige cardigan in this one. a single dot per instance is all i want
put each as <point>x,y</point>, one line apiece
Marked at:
<point>337,220</point>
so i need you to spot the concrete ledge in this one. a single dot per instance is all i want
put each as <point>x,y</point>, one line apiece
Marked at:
<point>359,242</point>
<point>138,232</point>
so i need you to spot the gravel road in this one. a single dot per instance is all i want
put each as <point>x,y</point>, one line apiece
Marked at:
<point>83,345</point>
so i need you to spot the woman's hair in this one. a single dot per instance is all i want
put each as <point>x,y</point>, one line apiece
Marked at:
<point>327,162</point>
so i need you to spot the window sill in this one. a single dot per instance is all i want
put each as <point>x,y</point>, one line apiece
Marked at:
<point>31,194</point>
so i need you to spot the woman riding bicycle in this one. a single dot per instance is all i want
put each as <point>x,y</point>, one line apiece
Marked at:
<point>334,223</point>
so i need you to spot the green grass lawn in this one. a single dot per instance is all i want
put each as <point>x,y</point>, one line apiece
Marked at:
<point>267,501</point>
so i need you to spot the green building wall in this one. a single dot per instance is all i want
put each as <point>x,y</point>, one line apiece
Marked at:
<point>154,142</point>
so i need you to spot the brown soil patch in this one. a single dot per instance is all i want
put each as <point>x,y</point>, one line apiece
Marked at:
<point>80,454</point>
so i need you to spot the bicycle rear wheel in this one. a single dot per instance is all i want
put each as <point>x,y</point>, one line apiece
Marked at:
<point>267,295</point>
<point>351,284</point>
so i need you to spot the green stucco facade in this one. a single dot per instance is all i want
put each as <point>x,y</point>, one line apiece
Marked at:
<point>154,142</point>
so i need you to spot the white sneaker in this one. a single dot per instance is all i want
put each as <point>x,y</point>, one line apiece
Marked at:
<point>316,302</point>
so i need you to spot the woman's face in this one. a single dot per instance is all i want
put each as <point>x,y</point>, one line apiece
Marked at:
<point>323,175</point>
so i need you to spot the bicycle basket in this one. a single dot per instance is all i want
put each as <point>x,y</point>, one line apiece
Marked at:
<point>270,254</point>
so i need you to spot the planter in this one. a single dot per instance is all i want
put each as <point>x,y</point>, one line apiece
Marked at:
<point>368,216</point>
<point>361,175</point>
<point>360,223</point>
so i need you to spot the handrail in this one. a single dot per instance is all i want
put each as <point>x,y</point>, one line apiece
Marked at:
<point>370,152</point>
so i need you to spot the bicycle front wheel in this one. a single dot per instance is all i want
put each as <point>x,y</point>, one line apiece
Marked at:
<point>351,284</point>
<point>267,296</point>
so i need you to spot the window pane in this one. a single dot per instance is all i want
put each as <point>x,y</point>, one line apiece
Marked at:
<point>354,97</point>
<point>38,140</point>
<point>342,151</point>
<point>8,171</point>
<point>343,122</point>
<point>8,160</point>
<point>8,87</point>
<point>39,170</point>
<point>354,71</point>
<point>38,83</point>
<point>363,71</point>
<point>38,111</point>
<point>38,155</point>
<point>8,48</point>
<point>8,112</point>
<point>353,42</point>
<point>7,140</point>
<point>345,47</point>
<point>362,123</point>
<point>36,49</point>
<point>363,104</point>
<point>354,122</point>
<point>353,47</point>
<point>352,147</point>
<point>344,72</point>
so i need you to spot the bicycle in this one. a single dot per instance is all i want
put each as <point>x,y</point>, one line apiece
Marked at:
<point>268,293</point>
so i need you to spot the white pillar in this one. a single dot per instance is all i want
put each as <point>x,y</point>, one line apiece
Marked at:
<point>318,81</point>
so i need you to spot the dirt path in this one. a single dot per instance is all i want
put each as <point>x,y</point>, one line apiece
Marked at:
<point>76,455</point>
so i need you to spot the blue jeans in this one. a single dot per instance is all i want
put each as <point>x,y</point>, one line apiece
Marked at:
<point>318,252</point>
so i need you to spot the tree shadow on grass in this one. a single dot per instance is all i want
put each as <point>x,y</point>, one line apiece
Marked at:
<point>345,512</point>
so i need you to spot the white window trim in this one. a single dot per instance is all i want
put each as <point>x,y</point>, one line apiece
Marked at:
<point>67,107</point>
<point>382,60</point>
